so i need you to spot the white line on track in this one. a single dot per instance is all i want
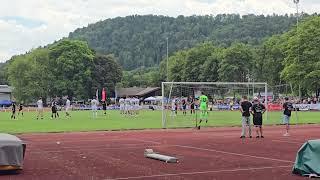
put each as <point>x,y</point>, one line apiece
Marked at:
<point>199,172</point>
<point>232,153</point>
<point>138,146</point>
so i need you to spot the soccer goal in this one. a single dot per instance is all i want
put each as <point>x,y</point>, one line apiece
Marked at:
<point>180,106</point>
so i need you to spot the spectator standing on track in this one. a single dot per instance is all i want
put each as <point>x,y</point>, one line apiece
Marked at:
<point>287,108</point>
<point>245,109</point>
<point>257,111</point>
<point>40,108</point>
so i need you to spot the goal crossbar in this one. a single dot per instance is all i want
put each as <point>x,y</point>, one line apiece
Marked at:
<point>264,84</point>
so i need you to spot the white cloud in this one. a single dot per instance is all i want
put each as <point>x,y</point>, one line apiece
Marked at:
<point>60,17</point>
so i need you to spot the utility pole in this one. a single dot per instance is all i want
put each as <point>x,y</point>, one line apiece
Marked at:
<point>167,59</point>
<point>298,56</point>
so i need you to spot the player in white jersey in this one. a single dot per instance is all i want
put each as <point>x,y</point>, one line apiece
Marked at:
<point>132,105</point>
<point>127,105</point>
<point>122,106</point>
<point>94,107</point>
<point>68,106</point>
<point>174,106</point>
<point>137,105</point>
<point>40,108</point>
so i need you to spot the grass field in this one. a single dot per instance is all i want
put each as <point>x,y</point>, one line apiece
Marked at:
<point>82,121</point>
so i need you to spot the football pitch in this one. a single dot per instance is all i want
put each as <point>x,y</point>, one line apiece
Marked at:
<point>83,121</point>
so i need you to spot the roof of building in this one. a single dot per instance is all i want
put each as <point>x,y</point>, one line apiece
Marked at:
<point>135,91</point>
<point>5,89</point>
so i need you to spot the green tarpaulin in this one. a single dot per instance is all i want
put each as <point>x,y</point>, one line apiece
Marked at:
<point>308,159</point>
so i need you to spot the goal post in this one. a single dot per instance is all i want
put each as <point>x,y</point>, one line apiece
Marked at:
<point>223,96</point>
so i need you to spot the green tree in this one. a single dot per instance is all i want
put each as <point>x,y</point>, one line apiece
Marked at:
<point>302,61</point>
<point>141,40</point>
<point>236,64</point>
<point>70,64</point>
<point>30,76</point>
<point>106,73</point>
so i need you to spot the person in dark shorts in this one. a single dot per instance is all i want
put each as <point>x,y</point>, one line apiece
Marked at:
<point>287,108</point>
<point>13,115</point>
<point>245,109</point>
<point>104,107</point>
<point>257,111</point>
<point>184,107</point>
<point>192,104</point>
<point>54,110</point>
<point>20,109</point>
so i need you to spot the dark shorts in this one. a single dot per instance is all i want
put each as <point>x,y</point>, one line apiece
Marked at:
<point>257,120</point>
<point>20,109</point>
<point>54,110</point>
<point>184,107</point>
<point>192,106</point>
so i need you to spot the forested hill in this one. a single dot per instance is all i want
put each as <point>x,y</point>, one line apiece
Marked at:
<point>141,40</point>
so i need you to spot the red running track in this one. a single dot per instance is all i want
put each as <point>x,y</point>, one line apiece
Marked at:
<point>211,153</point>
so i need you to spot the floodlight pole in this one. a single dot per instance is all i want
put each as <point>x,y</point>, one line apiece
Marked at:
<point>167,59</point>
<point>298,56</point>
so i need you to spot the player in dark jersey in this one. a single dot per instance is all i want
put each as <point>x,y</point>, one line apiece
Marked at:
<point>104,107</point>
<point>192,104</point>
<point>13,115</point>
<point>184,107</point>
<point>20,109</point>
<point>245,109</point>
<point>257,111</point>
<point>54,110</point>
<point>287,108</point>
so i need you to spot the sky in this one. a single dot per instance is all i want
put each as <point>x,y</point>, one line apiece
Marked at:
<point>28,24</point>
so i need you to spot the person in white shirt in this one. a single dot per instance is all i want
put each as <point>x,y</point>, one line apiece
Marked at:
<point>174,107</point>
<point>132,105</point>
<point>137,105</point>
<point>121,102</point>
<point>127,105</point>
<point>94,107</point>
<point>40,108</point>
<point>68,106</point>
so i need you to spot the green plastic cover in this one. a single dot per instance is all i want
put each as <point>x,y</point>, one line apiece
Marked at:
<point>308,159</point>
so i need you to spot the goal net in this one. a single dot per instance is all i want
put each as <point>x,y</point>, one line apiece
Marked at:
<point>180,107</point>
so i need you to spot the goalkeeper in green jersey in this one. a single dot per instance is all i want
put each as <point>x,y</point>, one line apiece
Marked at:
<point>203,108</point>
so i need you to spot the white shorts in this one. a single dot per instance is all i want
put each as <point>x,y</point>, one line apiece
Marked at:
<point>94,108</point>
<point>121,107</point>
<point>67,109</point>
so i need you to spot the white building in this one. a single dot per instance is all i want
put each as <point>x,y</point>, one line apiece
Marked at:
<point>5,92</point>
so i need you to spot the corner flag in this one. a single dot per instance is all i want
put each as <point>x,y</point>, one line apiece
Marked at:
<point>97,95</point>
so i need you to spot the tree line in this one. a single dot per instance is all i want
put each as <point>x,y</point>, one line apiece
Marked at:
<point>140,41</point>
<point>65,68</point>
<point>292,57</point>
